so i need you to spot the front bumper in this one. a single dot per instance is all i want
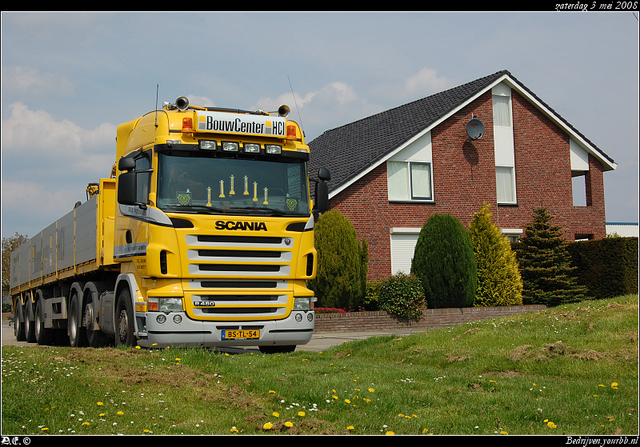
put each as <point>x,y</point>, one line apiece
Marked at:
<point>179,330</point>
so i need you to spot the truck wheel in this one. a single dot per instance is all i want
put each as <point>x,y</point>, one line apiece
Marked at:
<point>124,320</point>
<point>29,321</point>
<point>77,334</point>
<point>44,336</point>
<point>18,322</point>
<point>96,337</point>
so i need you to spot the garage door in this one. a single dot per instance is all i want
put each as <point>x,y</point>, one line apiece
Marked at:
<point>403,244</point>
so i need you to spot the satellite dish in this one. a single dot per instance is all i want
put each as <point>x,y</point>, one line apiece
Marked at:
<point>475,129</point>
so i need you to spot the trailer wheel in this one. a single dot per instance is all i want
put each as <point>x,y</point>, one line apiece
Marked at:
<point>77,334</point>
<point>124,320</point>
<point>44,336</point>
<point>18,322</point>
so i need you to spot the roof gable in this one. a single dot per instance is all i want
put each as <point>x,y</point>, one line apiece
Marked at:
<point>353,150</point>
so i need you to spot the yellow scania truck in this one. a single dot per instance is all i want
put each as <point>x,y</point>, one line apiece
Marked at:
<point>202,236</point>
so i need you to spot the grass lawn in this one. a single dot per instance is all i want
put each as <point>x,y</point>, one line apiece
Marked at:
<point>569,370</point>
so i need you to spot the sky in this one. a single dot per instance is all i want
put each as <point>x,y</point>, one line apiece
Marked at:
<point>69,79</point>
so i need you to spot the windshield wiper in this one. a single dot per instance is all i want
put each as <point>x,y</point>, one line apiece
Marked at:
<point>194,208</point>
<point>273,211</point>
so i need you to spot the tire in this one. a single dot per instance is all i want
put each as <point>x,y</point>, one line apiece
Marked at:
<point>44,336</point>
<point>18,322</point>
<point>77,333</point>
<point>124,320</point>
<point>96,338</point>
<point>29,321</point>
<point>277,349</point>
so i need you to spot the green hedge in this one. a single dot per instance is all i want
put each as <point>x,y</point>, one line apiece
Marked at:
<point>608,267</point>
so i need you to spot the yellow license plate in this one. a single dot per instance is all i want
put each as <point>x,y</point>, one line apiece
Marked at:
<point>239,334</point>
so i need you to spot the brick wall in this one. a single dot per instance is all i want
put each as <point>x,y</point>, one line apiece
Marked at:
<point>464,178</point>
<point>431,318</point>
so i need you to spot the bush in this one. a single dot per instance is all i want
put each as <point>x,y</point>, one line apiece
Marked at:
<point>499,281</point>
<point>444,263</point>
<point>342,263</point>
<point>402,295</point>
<point>371,296</point>
<point>608,267</point>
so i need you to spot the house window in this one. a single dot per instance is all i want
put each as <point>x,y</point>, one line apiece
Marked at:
<point>505,185</point>
<point>409,180</point>
<point>501,111</point>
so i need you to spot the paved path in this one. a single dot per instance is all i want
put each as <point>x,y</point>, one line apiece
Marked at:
<point>319,341</point>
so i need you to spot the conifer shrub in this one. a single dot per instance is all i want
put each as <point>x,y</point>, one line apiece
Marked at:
<point>342,263</point>
<point>499,280</point>
<point>608,267</point>
<point>545,264</point>
<point>402,295</point>
<point>444,262</point>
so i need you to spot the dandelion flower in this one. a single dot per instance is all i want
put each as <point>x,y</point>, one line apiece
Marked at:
<point>267,426</point>
<point>272,392</point>
<point>389,433</point>
<point>85,423</point>
<point>275,414</point>
<point>234,430</point>
<point>301,414</point>
<point>347,401</point>
<point>120,413</point>
<point>350,427</point>
<point>99,404</point>
<point>504,432</point>
<point>371,390</point>
<point>288,424</point>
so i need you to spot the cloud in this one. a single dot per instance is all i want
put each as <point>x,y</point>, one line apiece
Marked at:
<point>27,81</point>
<point>426,81</point>
<point>39,134</point>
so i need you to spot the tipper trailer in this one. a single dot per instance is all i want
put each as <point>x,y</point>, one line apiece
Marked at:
<point>203,236</point>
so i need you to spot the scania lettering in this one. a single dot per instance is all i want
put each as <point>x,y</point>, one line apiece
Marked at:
<point>253,226</point>
<point>202,236</point>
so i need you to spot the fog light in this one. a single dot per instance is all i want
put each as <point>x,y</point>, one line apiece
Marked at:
<point>161,319</point>
<point>298,318</point>
<point>251,148</point>
<point>310,317</point>
<point>230,146</point>
<point>273,149</point>
<point>177,319</point>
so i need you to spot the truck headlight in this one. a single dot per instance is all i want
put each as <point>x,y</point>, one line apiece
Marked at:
<point>302,302</point>
<point>162,304</point>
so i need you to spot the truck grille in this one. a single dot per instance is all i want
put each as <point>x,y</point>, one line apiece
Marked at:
<point>219,262</point>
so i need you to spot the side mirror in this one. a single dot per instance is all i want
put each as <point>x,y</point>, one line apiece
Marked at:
<point>322,190</point>
<point>127,185</point>
<point>126,164</point>
<point>324,174</point>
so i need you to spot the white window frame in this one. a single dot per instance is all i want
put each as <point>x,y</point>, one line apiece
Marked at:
<point>504,196</point>
<point>407,191</point>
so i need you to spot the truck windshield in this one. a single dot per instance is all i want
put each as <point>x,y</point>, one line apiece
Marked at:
<point>225,185</point>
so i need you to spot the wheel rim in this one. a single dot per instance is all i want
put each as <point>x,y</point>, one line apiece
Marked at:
<point>123,326</point>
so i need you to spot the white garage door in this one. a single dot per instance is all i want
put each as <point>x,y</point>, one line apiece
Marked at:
<point>403,244</point>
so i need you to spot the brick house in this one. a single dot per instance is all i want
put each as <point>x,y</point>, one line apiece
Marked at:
<point>393,170</point>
